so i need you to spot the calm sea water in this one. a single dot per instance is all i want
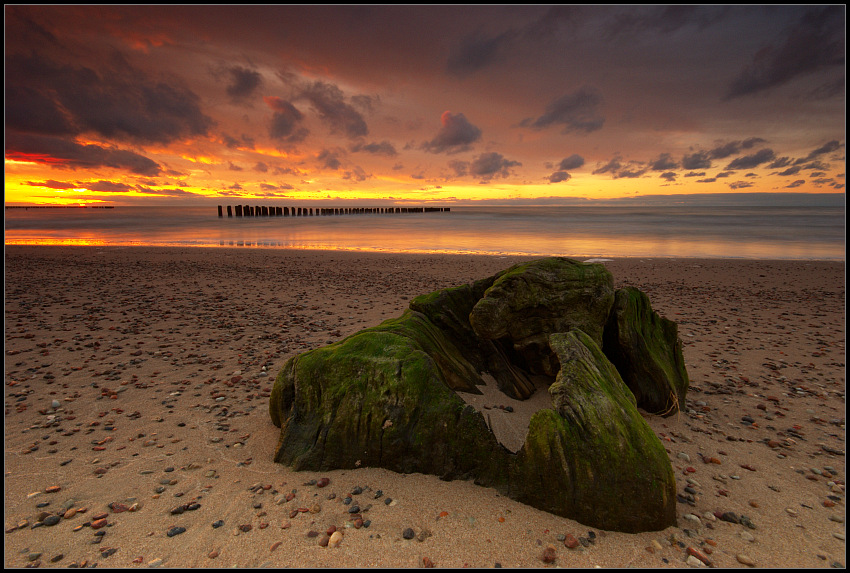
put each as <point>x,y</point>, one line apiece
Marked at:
<point>597,231</point>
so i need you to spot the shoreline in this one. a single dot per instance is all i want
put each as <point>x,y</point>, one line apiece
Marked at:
<point>524,256</point>
<point>140,346</point>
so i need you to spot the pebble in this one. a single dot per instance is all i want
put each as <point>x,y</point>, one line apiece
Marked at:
<point>408,533</point>
<point>694,562</point>
<point>335,539</point>
<point>548,555</point>
<point>745,560</point>
<point>175,531</point>
<point>155,562</point>
<point>570,541</point>
<point>52,520</point>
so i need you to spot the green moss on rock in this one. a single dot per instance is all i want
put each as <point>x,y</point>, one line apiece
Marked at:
<point>592,457</point>
<point>646,350</point>
<point>386,397</point>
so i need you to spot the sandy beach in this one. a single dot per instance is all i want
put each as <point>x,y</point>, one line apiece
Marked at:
<point>137,431</point>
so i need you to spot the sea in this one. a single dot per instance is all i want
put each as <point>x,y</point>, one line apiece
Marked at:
<point>700,231</point>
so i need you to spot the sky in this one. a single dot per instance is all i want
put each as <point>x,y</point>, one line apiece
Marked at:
<point>382,105</point>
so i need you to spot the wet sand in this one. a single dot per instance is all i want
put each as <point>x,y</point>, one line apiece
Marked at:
<point>161,362</point>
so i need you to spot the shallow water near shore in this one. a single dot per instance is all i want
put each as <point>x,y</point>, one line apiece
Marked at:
<point>815,233</point>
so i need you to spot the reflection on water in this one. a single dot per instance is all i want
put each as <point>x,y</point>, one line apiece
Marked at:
<point>770,233</point>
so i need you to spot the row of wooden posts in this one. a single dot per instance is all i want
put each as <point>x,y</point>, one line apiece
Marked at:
<point>261,211</point>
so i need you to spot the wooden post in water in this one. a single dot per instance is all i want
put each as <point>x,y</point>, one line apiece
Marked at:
<point>239,210</point>
<point>219,211</point>
<point>229,211</point>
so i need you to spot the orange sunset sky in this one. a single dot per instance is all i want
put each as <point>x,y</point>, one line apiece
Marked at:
<point>385,105</point>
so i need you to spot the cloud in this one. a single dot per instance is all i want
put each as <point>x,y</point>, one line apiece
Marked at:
<point>461,168</point>
<point>476,52</point>
<point>456,135</point>
<point>261,167</point>
<point>696,160</point>
<point>827,147</point>
<point>780,162</point>
<point>51,184</point>
<point>232,167</point>
<point>559,176</point>
<point>695,174</point>
<point>116,101</point>
<point>791,171</point>
<point>329,159</point>
<point>243,82</point>
<point>383,148</point>
<point>107,186</point>
<point>796,183</point>
<point>572,162</point>
<point>328,101</point>
<point>286,121</point>
<point>669,176</point>
<point>356,174</point>
<point>59,152</point>
<point>665,19</point>
<point>576,112</point>
<point>750,161</point>
<point>664,162</point>
<point>612,166</point>
<point>740,184</point>
<point>815,42</point>
<point>492,164</point>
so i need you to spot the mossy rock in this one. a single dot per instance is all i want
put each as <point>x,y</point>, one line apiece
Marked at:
<point>592,457</point>
<point>646,350</point>
<point>528,302</point>
<point>387,397</point>
<point>382,397</point>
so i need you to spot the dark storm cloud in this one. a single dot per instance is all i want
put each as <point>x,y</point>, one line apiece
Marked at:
<point>243,82</point>
<point>576,112</point>
<point>696,160</point>
<point>115,100</point>
<point>59,152</point>
<point>559,176</point>
<point>286,121</point>
<point>815,42</point>
<point>477,51</point>
<point>572,162</point>
<point>754,160</point>
<point>492,164</point>
<point>329,102</point>
<point>456,135</point>
<point>33,111</point>
<point>664,162</point>
<point>383,148</point>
